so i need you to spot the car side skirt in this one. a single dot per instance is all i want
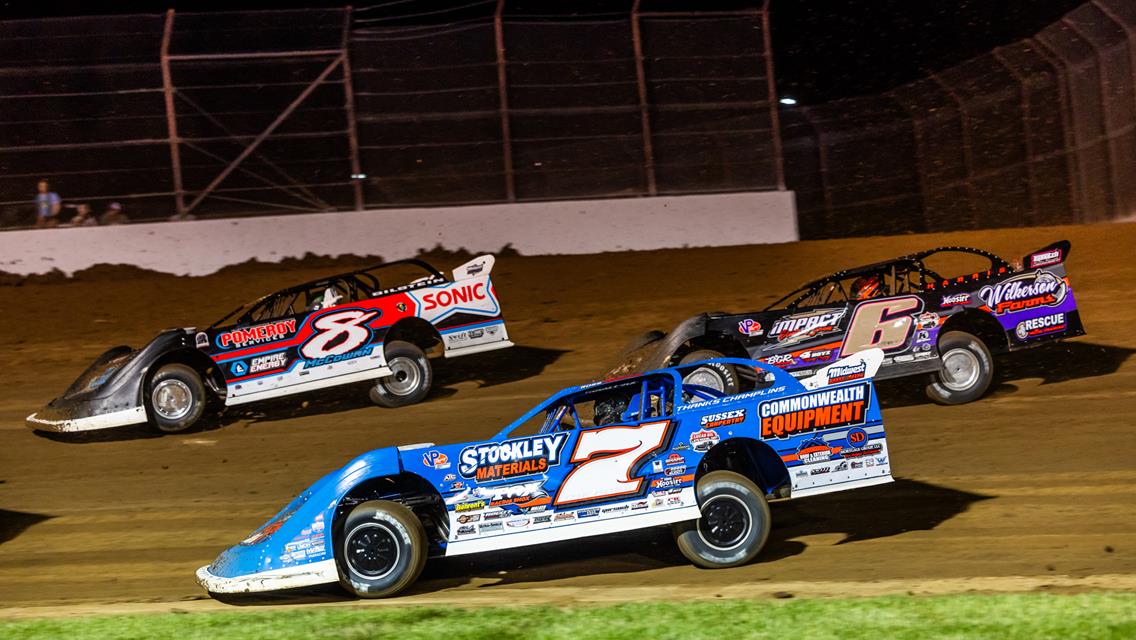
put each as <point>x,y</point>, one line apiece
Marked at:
<point>841,486</point>
<point>481,348</point>
<point>304,575</point>
<point>356,376</point>
<point>135,415</point>
<point>573,531</point>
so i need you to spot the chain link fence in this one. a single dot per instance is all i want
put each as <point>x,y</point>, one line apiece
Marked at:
<point>1042,131</point>
<point>243,113</point>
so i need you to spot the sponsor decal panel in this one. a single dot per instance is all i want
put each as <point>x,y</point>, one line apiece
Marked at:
<point>750,327</point>
<point>467,530</point>
<point>436,460</point>
<point>815,355</point>
<point>511,458</point>
<point>841,373</point>
<point>454,296</point>
<point>799,327</point>
<point>955,299</point>
<point>723,419</point>
<point>814,411</point>
<point>470,506</point>
<point>780,360</point>
<point>1026,291</point>
<point>493,527</point>
<point>269,362</point>
<point>1045,258</point>
<point>1042,325</point>
<point>812,451</point>
<point>703,439</point>
<point>261,333</point>
<point>672,481</point>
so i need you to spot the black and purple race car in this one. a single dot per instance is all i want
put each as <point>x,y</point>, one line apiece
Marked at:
<point>939,313</point>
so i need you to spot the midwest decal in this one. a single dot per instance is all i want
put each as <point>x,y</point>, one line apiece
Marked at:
<point>814,411</point>
<point>1025,291</point>
<point>255,335</point>
<point>843,373</point>
<point>511,458</point>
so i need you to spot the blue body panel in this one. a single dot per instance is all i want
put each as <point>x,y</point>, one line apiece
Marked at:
<point>569,476</point>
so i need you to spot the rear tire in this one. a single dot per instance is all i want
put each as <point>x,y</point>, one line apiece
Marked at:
<point>734,525</point>
<point>966,372</point>
<point>175,398</point>
<point>410,379</point>
<point>381,550</point>
<point>723,377</point>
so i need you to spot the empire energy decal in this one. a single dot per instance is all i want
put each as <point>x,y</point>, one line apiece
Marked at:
<point>511,458</point>
<point>815,411</point>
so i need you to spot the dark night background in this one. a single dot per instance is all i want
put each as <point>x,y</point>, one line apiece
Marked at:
<point>823,50</point>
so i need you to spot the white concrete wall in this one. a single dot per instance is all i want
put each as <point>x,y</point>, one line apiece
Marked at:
<point>567,227</point>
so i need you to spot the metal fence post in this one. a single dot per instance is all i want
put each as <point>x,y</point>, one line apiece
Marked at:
<point>774,116</point>
<point>503,100</point>
<point>644,109</point>
<point>171,114</point>
<point>349,107</point>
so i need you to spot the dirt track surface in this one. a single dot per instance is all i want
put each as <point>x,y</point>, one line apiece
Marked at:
<point>1032,487</point>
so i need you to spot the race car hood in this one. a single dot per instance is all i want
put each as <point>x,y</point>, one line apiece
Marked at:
<point>301,533</point>
<point>112,383</point>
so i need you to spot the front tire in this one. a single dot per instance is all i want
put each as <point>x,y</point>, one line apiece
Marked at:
<point>718,376</point>
<point>175,398</point>
<point>734,525</point>
<point>410,378</point>
<point>381,550</point>
<point>966,372</point>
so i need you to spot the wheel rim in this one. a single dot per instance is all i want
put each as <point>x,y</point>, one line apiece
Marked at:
<point>960,369</point>
<point>706,377</point>
<point>371,550</point>
<point>725,522</point>
<point>404,377</point>
<point>172,399</point>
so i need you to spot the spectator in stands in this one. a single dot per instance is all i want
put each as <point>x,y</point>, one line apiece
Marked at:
<point>48,204</point>
<point>84,217</point>
<point>114,215</point>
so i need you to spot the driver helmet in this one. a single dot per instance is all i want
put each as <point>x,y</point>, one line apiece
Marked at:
<point>866,287</point>
<point>609,409</point>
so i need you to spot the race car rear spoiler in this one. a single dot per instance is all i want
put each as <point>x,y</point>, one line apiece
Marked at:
<point>481,265</point>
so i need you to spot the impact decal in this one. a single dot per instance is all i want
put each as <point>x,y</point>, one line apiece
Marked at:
<point>261,333</point>
<point>1034,327</point>
<point>803,326</point>
<point>814,411</point>
<point>723,419</point>
<point>511,458</point>
<point>1026,291</point>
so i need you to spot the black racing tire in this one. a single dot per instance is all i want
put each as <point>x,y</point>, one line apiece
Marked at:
<point>967,369</point>
<point>381,550</point>
<point>734,525</point>
<point>175,398</point>
<point>410,379</point>
<point>725,376</point>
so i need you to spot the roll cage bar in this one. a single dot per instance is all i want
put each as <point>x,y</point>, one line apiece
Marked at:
<point>360,283</point>
<point>912,262</point>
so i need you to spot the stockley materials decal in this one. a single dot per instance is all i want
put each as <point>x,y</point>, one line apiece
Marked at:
<point>815,411</point>
<point>511,458</point>
<point>799,327</point>
<point>1026,291</point>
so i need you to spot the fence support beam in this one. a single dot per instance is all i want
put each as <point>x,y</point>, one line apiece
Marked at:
<point>267,132</point>
<point>171,114</point>
<point>1027,131</point>
<point>349,107</point>
<point>503,101</point>
<point>644,108</point>
<point>774,116</point>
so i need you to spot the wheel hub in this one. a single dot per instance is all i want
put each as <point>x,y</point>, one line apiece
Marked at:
<point>960,369</point>
<point>404,377</point>
<point>725,522</point>
<point>372,550</point>
<point>172,399</point>
<point>705,377</point>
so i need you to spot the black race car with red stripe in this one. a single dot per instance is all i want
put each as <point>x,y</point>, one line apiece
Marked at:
<point>939,313</point>
<point>374,324</point>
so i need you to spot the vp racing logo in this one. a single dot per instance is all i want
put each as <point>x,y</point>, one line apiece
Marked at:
<point>1025,291</point>
<point>340,335</point>
<point>799,327</point>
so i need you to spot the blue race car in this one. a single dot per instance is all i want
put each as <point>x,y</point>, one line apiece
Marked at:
<point>661,448</point>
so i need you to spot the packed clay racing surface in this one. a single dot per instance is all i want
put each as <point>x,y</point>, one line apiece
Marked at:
<point>1031,487</point>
